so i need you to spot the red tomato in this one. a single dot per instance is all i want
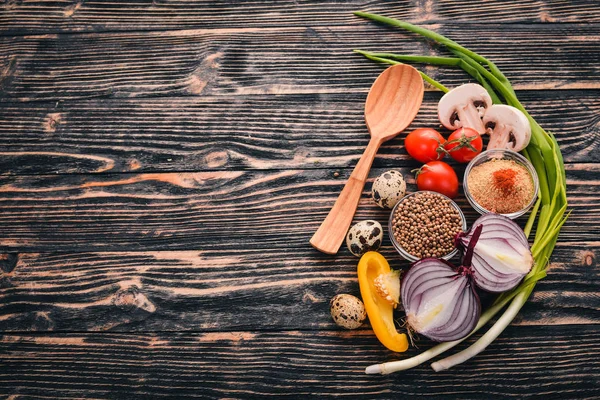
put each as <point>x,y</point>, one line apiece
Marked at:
<point>438,176</point>
<point>422,144</point>
<point>464,144</point>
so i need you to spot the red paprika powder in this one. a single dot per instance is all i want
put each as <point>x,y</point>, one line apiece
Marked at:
<point>502,186</point>
<point>504,180</point>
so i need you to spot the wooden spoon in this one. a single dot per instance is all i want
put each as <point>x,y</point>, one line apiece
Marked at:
<point>392,104</point>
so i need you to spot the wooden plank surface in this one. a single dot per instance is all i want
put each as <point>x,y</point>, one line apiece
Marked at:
<point>553,362</point>
<point>209,210</point>
<point>236,289</point>
<point>313,60</point>
<point>27,17</point>
<point>242,132</point>
<point>163,165</point>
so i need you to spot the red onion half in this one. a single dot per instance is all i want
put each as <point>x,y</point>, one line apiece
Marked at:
<point>501,255</point>
<point>440,302</point>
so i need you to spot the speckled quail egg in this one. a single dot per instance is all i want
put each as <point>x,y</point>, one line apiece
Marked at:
<point>347,311</point>
<point>364,236</point>
<point>388,189</point>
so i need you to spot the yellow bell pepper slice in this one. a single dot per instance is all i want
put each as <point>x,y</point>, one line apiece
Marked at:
<point>379,310</point>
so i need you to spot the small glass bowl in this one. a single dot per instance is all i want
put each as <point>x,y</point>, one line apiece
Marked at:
<point>503,155</point>
<point>399,248</point>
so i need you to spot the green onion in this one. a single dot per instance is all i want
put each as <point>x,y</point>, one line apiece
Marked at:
<point>394,366</point>
<point>544,154</point>
<point>381,58</point>
<point>390,58</point>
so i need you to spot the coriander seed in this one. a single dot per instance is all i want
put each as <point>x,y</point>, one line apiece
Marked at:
<point>424,224</point>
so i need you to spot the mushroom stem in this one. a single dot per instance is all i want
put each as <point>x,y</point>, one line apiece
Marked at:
<point>463,106</point>
<point>498,141</point>
<point>508,128</point>
<point>470,118</point>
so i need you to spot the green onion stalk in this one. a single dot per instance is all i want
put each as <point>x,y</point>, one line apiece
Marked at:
<point>548,214</point>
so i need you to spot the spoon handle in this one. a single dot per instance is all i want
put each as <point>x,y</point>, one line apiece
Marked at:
<point>328,238</point>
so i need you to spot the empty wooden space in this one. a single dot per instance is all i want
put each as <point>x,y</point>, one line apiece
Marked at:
<point>163,165</point>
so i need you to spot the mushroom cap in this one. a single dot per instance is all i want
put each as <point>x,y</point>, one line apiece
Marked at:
<point>508,127</point>
<point>463,107</point>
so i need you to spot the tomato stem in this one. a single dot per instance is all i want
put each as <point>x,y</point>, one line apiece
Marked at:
<point>463,142</point>
<point>418,171</point>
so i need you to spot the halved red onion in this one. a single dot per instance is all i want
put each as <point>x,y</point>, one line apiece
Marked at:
<point>501,256</point>
<point>440,302</point>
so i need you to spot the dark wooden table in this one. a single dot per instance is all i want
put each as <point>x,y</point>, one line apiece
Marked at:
<point>163,165</point>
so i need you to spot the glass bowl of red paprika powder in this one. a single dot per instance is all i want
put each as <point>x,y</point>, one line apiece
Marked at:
<point>501,181</point>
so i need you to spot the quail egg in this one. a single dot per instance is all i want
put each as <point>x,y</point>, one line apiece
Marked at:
<point>388,189</point>
<point>364,236</point>
<point>347,311</point>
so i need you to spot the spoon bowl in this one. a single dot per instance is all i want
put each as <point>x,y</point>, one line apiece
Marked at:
<point>392,103</point>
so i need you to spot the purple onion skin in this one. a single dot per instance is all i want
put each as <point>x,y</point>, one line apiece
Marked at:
<point>489,273</point>
<point>440,302</point>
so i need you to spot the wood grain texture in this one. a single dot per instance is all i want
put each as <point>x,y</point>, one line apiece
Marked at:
<point>246,132</point>
<point>295,364</point>
<point>27,17</point>
<point>237,289</point>
<point>280,61</point>
<point>164,163</point>
<point>208,210</point>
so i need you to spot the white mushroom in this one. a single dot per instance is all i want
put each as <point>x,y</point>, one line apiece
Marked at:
<point>508,128</point>
<point>464,106</point>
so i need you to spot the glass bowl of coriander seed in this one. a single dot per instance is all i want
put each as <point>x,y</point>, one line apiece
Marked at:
<point>423,224</point>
